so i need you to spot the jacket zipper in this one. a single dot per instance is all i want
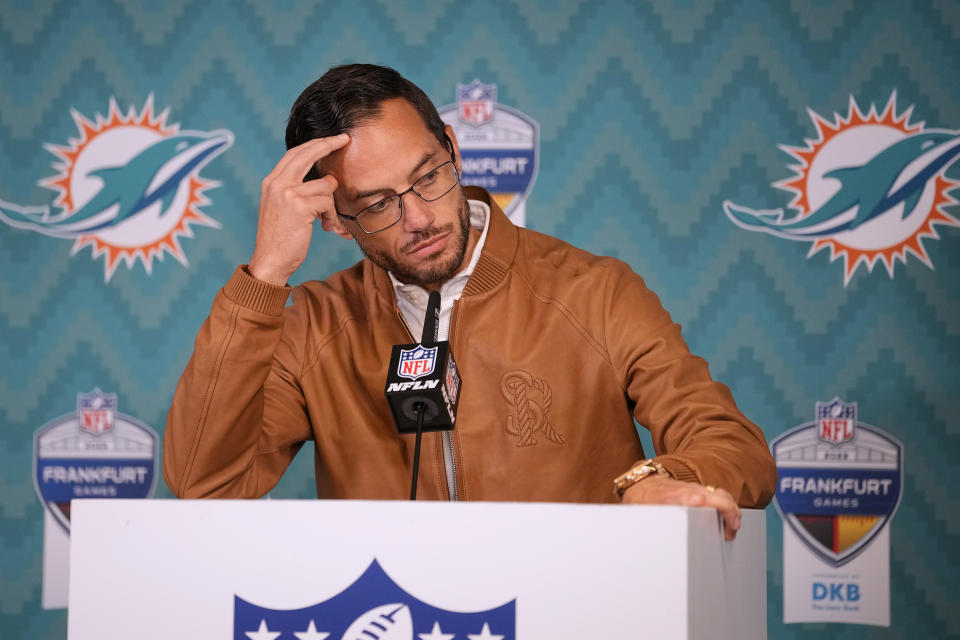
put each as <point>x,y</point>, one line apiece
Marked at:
<point>446,436</point>
<point>449,462</point>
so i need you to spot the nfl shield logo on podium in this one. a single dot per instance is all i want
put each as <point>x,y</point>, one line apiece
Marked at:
<point>373,607</point>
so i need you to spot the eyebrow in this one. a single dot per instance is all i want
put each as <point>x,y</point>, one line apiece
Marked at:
<point>427,157</point>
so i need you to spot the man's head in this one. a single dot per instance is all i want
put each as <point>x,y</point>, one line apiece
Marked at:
<point>349,96</point>
<point>396,137</point>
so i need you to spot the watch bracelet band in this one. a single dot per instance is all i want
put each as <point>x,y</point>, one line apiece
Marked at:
<point>636,473</point>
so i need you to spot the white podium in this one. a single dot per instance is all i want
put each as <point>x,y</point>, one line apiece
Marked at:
<point>309,570</point>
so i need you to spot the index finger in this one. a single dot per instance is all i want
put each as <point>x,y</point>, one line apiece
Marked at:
<point>296,162</point>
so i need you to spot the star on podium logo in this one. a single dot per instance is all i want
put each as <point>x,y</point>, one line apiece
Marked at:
<point>264,633</point>
<point>484,634</point>
<point>436,634</point>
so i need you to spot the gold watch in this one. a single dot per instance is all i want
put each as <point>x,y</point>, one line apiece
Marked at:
<point>638,472</point>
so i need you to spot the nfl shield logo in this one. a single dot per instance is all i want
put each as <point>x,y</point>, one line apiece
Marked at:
<point>836,421</point>
<point>476,102</point>
<point>417,362</point>
<point>372,608</point>
<point>96,411</point>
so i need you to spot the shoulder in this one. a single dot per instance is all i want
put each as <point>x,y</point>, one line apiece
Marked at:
<point>601,293</point>
<point>553,265</point>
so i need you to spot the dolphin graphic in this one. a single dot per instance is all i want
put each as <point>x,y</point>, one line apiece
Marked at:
<point>896,175</point>
<point>152,175</point>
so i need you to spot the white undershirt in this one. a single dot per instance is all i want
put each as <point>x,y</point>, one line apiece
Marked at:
<point>412,299</point>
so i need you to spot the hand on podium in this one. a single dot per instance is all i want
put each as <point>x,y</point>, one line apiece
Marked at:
<point>658,489</point>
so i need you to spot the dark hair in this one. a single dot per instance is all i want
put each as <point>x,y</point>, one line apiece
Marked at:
<point>349,95</point>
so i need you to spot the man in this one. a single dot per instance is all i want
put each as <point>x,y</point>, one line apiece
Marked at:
<point>559,350</point>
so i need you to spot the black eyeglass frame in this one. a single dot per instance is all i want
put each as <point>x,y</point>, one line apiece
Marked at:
<point>399,196</point>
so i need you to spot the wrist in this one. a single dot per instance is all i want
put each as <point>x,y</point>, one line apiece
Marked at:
<point>257,295</point>
<point>640,473</point>
<point>271,275</point>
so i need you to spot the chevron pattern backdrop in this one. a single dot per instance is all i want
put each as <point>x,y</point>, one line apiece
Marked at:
<point>651,115</point>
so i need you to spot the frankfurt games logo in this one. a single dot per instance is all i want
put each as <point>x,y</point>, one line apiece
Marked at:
<point>499,146</point>
<point>839,481</point>
<point>869,188</point>
<point>128,187</point>
<point>94,452</point>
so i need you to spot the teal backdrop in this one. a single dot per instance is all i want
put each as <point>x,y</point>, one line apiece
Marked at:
<point>651,115</point>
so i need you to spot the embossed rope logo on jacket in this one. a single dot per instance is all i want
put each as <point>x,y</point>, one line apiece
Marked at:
<point>530,399</point>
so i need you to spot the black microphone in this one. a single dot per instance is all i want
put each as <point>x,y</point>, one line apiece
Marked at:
<point>424,375</point>
<point>431,321</point>
<point>423,385</point>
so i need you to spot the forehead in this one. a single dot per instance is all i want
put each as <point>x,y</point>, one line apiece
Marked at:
<point>384,151</point>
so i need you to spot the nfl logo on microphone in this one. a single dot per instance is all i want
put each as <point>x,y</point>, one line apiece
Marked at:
<point>417,362</point>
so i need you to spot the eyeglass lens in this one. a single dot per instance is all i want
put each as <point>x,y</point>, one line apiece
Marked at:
<point>431,186</point>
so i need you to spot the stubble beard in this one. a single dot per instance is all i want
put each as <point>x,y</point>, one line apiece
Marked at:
<point>431,273</point>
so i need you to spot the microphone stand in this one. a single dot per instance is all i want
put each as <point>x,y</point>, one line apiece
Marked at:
<point>431,325</point>
<point>420,408</point>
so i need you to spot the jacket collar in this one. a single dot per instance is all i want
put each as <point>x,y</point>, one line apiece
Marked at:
<point>495,258</point>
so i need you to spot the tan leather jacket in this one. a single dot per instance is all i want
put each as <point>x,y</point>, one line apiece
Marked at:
<point>559,351</point>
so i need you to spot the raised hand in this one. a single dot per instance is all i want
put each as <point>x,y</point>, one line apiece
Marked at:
<point>289,207</point>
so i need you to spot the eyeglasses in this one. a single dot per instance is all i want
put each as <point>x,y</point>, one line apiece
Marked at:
<point>429,187</point>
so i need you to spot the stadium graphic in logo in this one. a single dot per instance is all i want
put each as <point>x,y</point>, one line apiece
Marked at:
<point>376,608</point>
<point>129,187</point>
<point>499,146</point>
<point>870,188</point>
<point>839,481</point>
<point>95,452</point>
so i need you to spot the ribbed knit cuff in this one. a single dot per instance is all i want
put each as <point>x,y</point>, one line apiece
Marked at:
<point>677,469</point>
<point>257,295</point>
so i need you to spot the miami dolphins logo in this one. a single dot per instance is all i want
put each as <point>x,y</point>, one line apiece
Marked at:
<point>870,188</point>
<point>129,187</point>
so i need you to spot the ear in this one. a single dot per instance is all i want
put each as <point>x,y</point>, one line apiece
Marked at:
<point>337,224</point>
<point>456,147</point>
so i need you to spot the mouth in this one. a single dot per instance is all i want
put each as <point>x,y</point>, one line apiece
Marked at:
<point>429,246</point>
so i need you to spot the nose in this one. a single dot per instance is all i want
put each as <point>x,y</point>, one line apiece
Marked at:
<point>416,214</point>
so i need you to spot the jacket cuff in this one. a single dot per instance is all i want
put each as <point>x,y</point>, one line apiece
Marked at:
<point>677,469</point>
<point>257,295</point>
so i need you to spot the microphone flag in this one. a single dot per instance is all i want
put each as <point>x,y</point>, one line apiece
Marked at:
<point>424,373</point>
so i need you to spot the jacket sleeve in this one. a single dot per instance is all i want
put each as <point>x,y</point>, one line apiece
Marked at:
<point>238,415</point>
<point>698,432</point>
